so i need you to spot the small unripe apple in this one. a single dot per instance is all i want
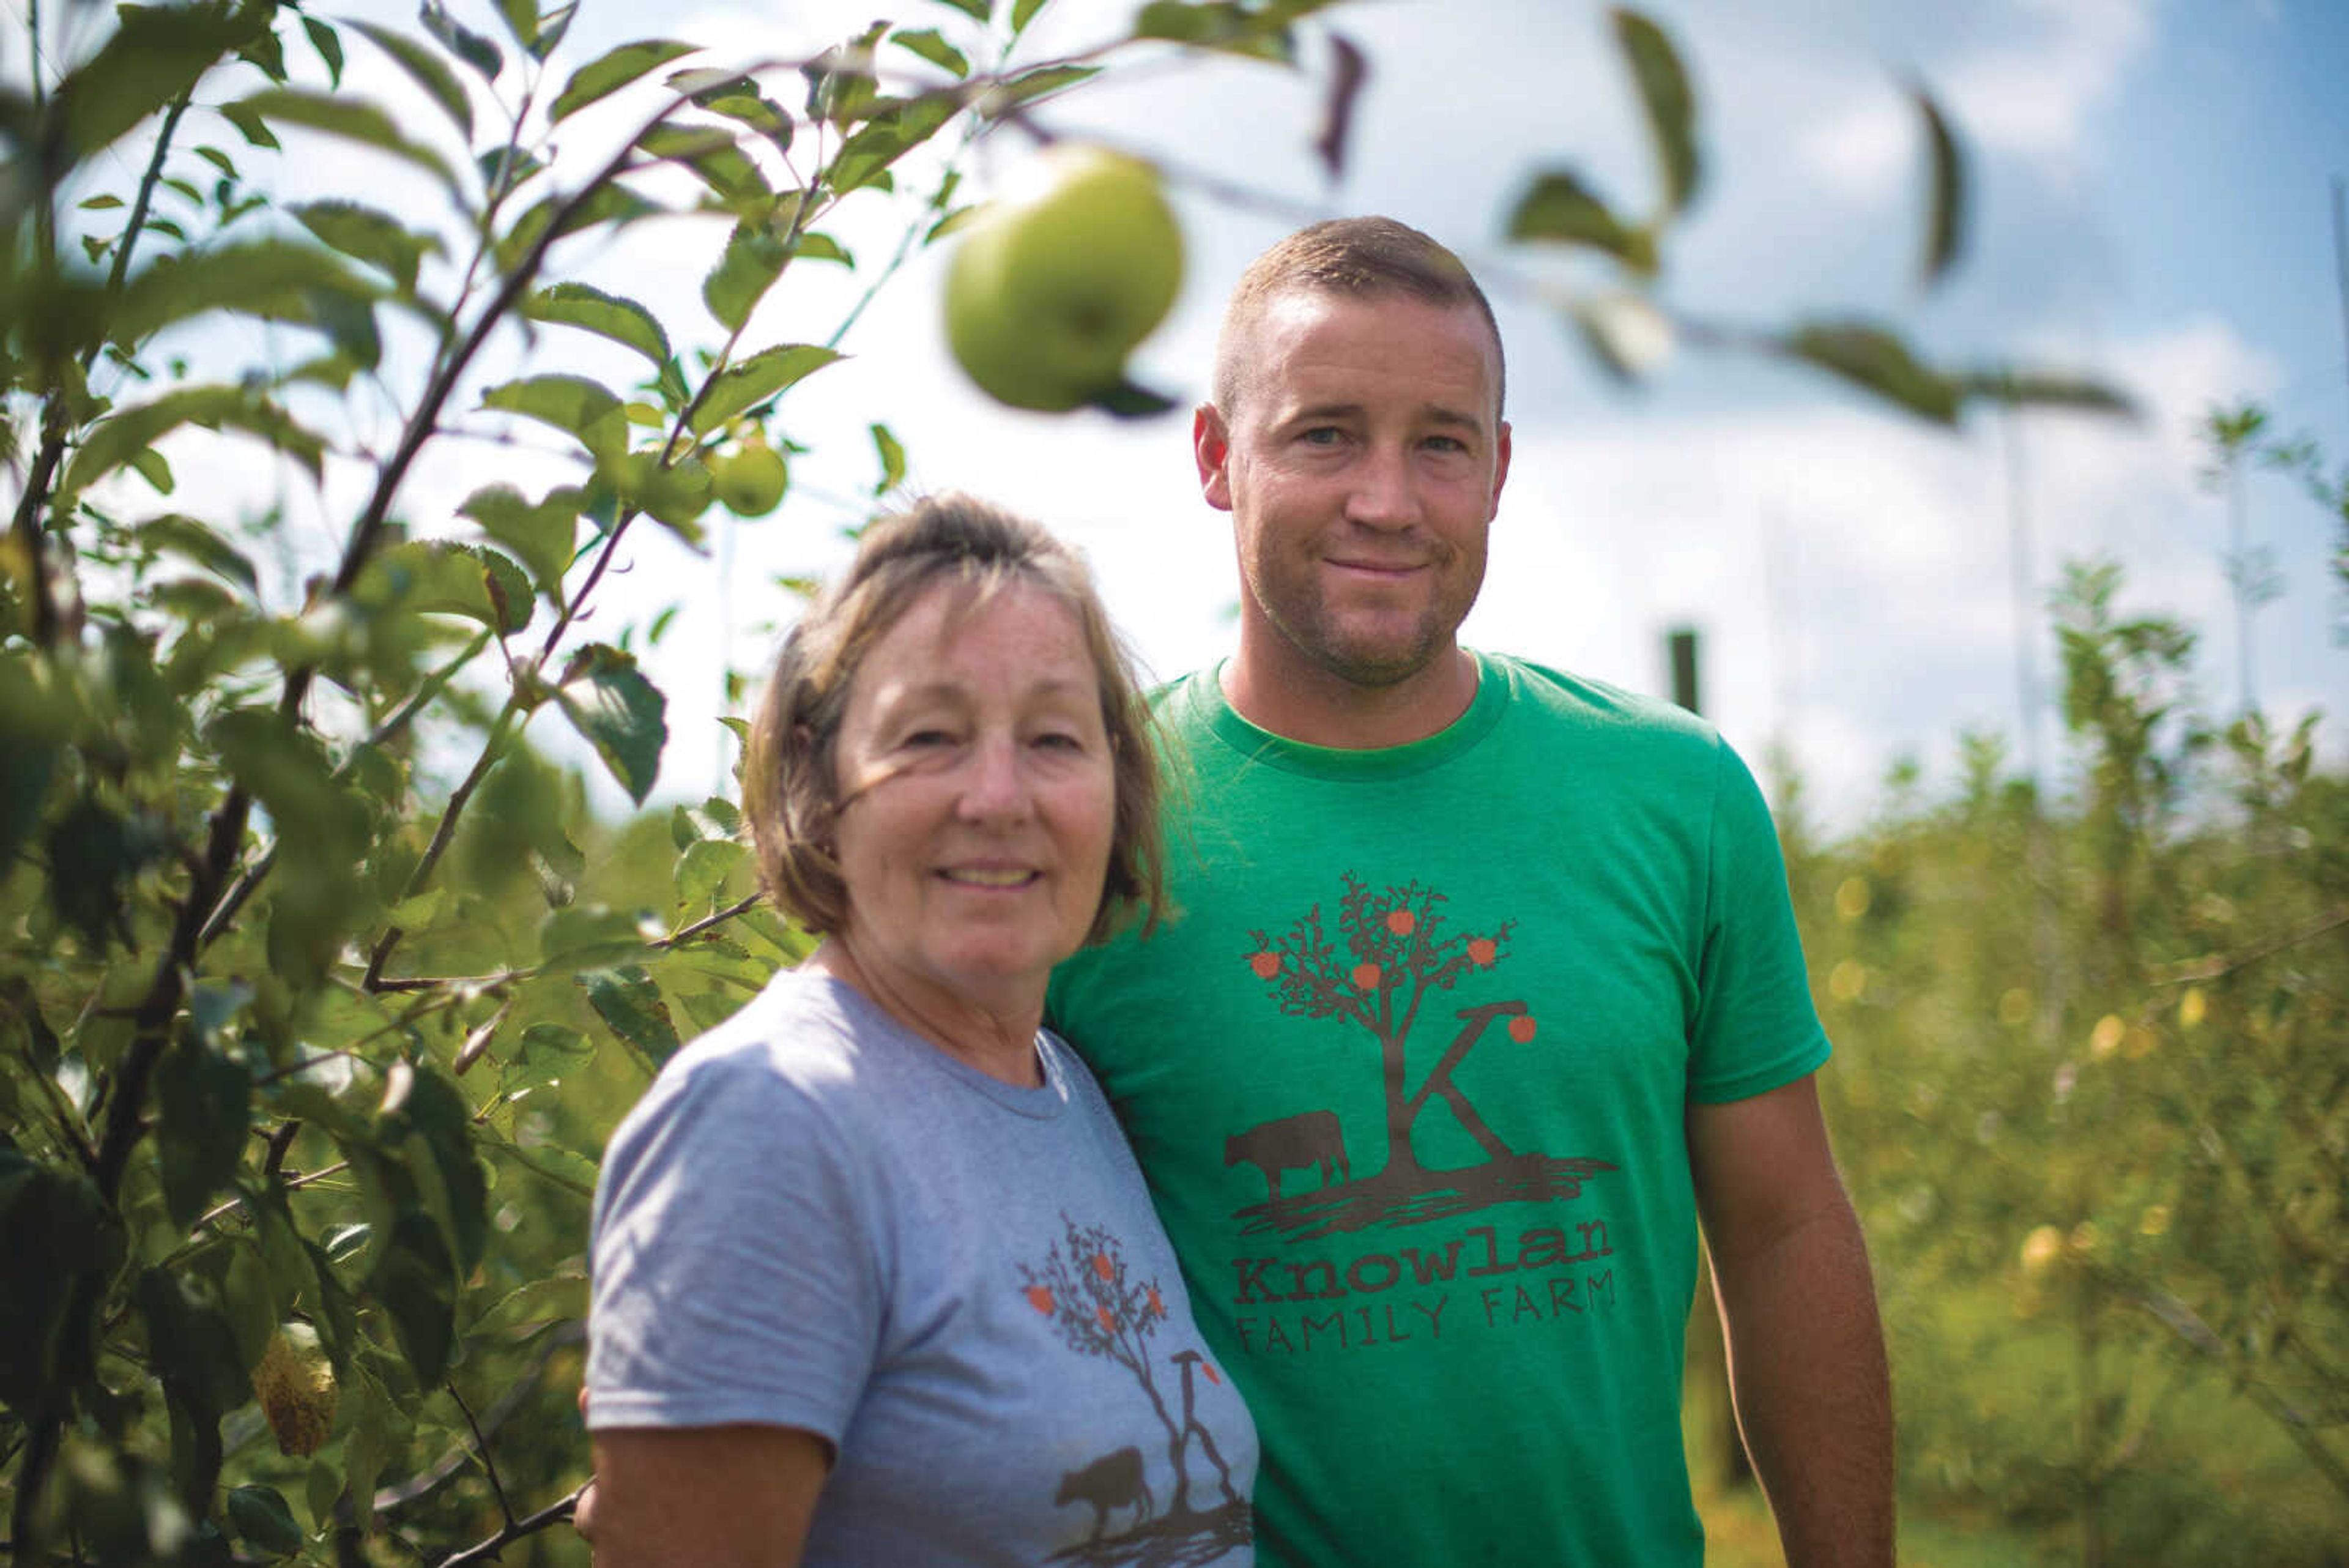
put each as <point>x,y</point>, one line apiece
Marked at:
<point>1055,284</point>
<point>750,483</point>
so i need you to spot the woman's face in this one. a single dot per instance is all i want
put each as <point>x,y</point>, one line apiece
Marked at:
<point>980,797</point>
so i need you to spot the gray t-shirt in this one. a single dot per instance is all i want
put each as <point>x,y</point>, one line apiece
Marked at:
<point>814,1218</point>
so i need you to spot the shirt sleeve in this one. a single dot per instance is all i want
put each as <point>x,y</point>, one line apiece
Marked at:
<point>1756,1028</point>
<point>734,1276</point>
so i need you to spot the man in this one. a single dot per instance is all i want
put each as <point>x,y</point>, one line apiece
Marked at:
<point>1484,986</point>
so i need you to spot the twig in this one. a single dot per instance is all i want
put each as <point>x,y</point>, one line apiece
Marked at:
<point>487,1550</point>
<point>481,1447</point>
<point>425,1482</point>
<point>2201,969</point>
<point>678,939</point>
<point>292,1185</point>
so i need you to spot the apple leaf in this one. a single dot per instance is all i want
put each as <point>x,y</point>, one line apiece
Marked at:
<point>1671,104</point>
<point>1945,226</point>
<point>367,234</point>
<point>1560,208</point>
<point>572,404</point>
<point>617,711</point>
<point>540,535</point>
<point>1876,361</point>
<point>607,74</point>
<point>622,320</point>
<point>931,45</point>
<point>757,378</point>
<point>630,1005</point>
<point>427,71</point>
<point>349,119</point>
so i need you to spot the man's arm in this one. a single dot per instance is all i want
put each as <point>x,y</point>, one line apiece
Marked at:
<point>1798,1310</point>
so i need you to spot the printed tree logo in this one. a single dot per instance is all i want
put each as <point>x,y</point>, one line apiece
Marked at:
<point>1101,1309</point>
<point>1393,952</point>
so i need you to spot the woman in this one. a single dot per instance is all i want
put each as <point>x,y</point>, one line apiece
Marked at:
<point>875,1278</point>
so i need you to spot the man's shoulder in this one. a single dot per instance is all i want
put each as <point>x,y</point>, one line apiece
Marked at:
<point>1544,692</point>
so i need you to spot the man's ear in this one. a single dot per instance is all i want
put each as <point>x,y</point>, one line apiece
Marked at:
<point>1211,448</point>
<point>1500,468</point>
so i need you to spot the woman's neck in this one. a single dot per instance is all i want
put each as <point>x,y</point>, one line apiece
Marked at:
<point>995,1036</point>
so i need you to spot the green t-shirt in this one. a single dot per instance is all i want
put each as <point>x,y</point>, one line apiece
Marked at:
<point>1408,1073</point>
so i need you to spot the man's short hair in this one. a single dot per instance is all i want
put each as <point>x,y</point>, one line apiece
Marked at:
<point>1358,258</point>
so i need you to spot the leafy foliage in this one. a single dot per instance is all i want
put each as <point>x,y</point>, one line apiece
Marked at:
<point>2093,1100</point>
<point>310,1028</point>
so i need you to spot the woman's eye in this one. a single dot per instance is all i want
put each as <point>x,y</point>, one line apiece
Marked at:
<point>926,738</point>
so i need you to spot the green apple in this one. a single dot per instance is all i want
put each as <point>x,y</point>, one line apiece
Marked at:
<point>1054,284</point>
<point>750,483</point>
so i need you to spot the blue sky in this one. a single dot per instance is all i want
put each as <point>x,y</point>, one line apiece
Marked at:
<point>2150,204</point>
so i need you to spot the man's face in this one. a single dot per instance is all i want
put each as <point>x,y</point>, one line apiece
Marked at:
<point>1363,468</point>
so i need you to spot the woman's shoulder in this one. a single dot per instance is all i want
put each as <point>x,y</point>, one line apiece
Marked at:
<point>789,1056</point>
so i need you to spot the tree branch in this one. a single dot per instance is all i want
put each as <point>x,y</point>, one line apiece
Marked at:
<point>553,1514</point>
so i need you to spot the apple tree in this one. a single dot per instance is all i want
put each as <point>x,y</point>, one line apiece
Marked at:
<point>322,986</point>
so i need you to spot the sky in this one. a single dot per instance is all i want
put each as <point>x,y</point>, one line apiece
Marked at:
<point>2150,202</point>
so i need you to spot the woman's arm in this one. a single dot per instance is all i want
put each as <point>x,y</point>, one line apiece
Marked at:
<point>712,1497</point>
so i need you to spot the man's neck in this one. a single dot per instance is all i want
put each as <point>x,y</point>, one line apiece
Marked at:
<point>1312,705</point>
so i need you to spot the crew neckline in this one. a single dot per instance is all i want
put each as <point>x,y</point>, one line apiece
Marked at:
<point>1262,747</point>
<point>1045,1101</point>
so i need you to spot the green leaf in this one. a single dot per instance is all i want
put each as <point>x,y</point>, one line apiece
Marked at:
<point>541,534</point>
<point>1665,93</point>
<point>543,1055</point>
<point>262,1520</point>
<point>610,72</point>
<point>1031,86</point>
<point>892,453</point>
<point>622,320</point>
<point>330,46</point>
<point>2049,390</point>
<point>702,869</point>
<point>189,1340</point>
<point>416,1283</point>
<point>203,1099</point>
<point>630,1005</point>
<point>155,471</point>
<point>1945,223</point>
<point>607,203</point>
<point>427,71</point>
<point>270,278</point>
<point>1022,12</point>
<point>461,41</point>
<point>56,1217</point>
<point>738,97</point>
<point>978,8</point>
<point>1220,24</point>
<point>619,713</point>
<point>710,153</point>
<point>572,404</point>
<point>437,576</point>
<point>156,54</point>
<point>578,936</point>
<point>370,236</point>
<point>349,119</point>
<point>1560,208</point>
<point>931,45</point>
<point>883,141</point>
<point>128,431</point>
<point>757,378</point>
<point>521,20</point>
<point>1876,362</point>
<point>437,1116</point>
<point>753,259</point>
<point>101,204</point>
<point>560,1298</point>
<point>248,125</point>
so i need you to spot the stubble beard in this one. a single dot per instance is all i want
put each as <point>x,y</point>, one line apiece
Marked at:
<point>1369,659</point>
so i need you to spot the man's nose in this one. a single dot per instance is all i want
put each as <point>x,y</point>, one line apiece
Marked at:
<point>1384,495</point>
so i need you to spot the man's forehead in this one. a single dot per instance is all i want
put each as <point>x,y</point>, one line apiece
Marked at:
<point>1302,346</point>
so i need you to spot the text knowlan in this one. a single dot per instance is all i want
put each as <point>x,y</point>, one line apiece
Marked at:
<point>1324,1291</point>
